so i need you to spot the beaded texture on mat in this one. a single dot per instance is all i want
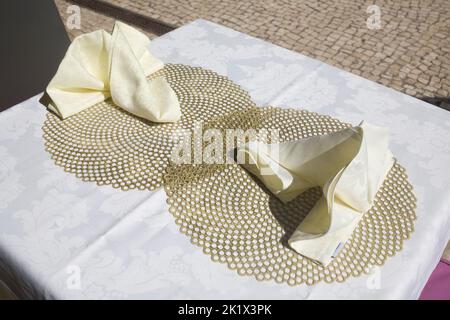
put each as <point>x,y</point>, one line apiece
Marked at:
<point>109,146</point>
<point>236,221</point>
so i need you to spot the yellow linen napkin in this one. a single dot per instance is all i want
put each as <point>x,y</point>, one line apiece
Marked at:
<point>98,66</point>
<point>349,165</point>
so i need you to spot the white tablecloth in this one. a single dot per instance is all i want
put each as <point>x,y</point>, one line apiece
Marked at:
<point>64,238</point>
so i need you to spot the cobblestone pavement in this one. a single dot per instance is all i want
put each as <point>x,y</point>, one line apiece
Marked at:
<point>90,20</point>
<point>446,255</point>
<point>410,53</point>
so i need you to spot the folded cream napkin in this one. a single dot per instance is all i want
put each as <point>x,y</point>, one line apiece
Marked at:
<point>98,65</point>
<point>349,165</point>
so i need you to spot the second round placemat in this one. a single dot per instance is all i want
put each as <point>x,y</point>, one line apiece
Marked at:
<point>236,221</point>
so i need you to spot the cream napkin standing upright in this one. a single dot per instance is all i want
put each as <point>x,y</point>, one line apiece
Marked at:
<point>349,165</point>
<point>98,66</point>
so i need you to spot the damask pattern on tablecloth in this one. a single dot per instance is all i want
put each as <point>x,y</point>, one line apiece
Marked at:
<point>126,244</point>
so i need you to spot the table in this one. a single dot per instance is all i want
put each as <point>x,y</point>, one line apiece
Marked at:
<point>61,238</point>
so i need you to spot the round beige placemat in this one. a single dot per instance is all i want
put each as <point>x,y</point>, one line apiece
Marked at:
<point>107,145</point>
<point>238,222</point>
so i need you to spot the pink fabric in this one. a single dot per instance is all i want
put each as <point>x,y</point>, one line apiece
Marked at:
<point>438,286</point>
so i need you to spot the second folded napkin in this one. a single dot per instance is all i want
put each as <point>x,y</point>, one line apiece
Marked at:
<point>350,166</point>
<point>98,65</point>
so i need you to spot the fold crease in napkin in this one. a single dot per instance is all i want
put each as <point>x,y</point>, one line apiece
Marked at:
<point>98,65</point>
<point>350,165</point>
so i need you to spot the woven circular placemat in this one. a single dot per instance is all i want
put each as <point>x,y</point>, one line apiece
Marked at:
<point>236,221</point>
<point>107,145</point>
